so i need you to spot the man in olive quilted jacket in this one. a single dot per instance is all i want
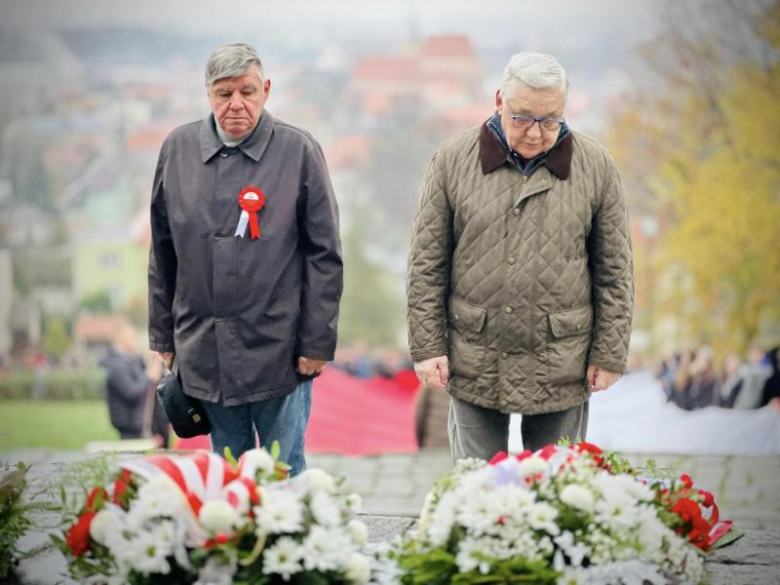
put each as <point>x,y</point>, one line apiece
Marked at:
<point>520,283</point>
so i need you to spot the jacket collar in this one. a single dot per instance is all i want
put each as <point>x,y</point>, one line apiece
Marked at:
<point>253,145</point>
<point>492,154</point>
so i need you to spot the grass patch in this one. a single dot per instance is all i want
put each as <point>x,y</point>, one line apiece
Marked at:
<point>65,424</point>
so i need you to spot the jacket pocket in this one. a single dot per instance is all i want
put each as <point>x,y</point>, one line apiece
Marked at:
<point>466,337</point>
<point>568,344</point>
<point>225,275</point>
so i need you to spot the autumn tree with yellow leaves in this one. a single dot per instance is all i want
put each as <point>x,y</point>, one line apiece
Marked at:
<point>700,153</point>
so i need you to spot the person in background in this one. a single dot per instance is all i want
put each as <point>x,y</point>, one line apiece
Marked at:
<point>731,381</point>
<point>771,390</point>
<point>130,388</point>
<point>754,376</point>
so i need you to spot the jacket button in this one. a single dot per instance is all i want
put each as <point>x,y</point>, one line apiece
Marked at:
<point>516,211</point>
<point>504,355</point>
<point>511,260</point>
<point>508,309</point>
<point>223,154</point>
<point>457,317</point>
<point>544,181</point>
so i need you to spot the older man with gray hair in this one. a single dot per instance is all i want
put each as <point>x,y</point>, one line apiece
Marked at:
<point>245,270</point>
<point>520,285</point>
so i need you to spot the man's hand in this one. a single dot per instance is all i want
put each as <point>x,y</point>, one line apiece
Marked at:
<point>310,367</point>
<point>433,372</point>
<point>601,379</point>
<point>167,358</point>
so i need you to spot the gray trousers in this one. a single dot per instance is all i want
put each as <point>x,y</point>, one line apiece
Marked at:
<point>480,432</point>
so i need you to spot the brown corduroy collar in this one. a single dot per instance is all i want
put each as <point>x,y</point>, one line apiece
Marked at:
<point>492,154</point>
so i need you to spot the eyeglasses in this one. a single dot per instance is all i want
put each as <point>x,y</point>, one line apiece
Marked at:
<point>546,124</point>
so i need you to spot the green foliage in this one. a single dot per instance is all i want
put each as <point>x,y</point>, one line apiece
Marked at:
<point>99,302</point>
<point>59,384</point>
<point>14,519</point>
<point>16,514</point>
<point>56,338</point>
<point>438,567</point>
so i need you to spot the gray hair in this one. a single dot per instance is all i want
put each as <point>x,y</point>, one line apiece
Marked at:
<point>232,60</point>
<point>534,70</point>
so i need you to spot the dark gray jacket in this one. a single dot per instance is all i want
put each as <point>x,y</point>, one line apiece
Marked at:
<point>127,387</point>
<point>238,311</point>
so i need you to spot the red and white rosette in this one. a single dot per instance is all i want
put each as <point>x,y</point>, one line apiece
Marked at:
<point>251,200</point>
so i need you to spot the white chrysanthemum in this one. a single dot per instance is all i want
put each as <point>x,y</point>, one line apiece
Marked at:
<point>575,551</point>
<point>532,465</point>
<point>354,503</point>
<point>541,516</point>
<point>218,516</point>
<point>217,571</point>
<point>357,569</point>
<point>578,497</point>
<point>159,497</point>
<point>257,460</point>
<point>325,549</point>
<point>318,480</point>
<point>442,520</point>
<point>145,554</point>
<point>283,558</point>
<point>470,553</point>
<point>358,531</point>
<point>481,512</point>
<point>279,512</point>
<point>324,509</point>
<point>109,519</point>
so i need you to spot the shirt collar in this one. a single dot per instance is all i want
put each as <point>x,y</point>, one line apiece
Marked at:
<point>494,153</point>
<point>253,145</point>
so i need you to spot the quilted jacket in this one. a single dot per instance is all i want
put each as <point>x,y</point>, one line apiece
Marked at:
<point>521,281</point>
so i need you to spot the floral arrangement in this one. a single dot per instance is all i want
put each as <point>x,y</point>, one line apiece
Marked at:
<point>566,514</point>
<point>202,519</point>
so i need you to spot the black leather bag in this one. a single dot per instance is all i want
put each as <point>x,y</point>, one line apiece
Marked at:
<point>187,415</point>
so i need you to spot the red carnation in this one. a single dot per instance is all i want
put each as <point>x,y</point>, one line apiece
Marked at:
<point>120,486</point>
<point>498,458</point>
<point>77,538</point>
<point>548,452</point>
<point>709,499</point>
<point>687,481</point>
<point>96,498</point>
<point>220,538</point>
<point>589,447</point>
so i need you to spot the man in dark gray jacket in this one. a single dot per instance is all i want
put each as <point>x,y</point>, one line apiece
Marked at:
<point>245,270</point>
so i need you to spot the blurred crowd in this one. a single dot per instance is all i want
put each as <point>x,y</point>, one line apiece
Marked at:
<point>360,361</point>
<point>691,380</point>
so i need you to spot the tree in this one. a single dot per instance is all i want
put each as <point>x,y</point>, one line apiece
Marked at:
<point>372,309</point>
<point>704,153</point>
<point>56,340</point>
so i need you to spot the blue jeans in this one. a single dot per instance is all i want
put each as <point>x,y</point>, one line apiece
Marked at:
<point>278,419</point>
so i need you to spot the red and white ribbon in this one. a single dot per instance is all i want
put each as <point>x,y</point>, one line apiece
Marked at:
<point>251,200</point>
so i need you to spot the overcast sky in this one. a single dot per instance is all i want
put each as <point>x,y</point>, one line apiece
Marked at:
<point>346,17</point>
